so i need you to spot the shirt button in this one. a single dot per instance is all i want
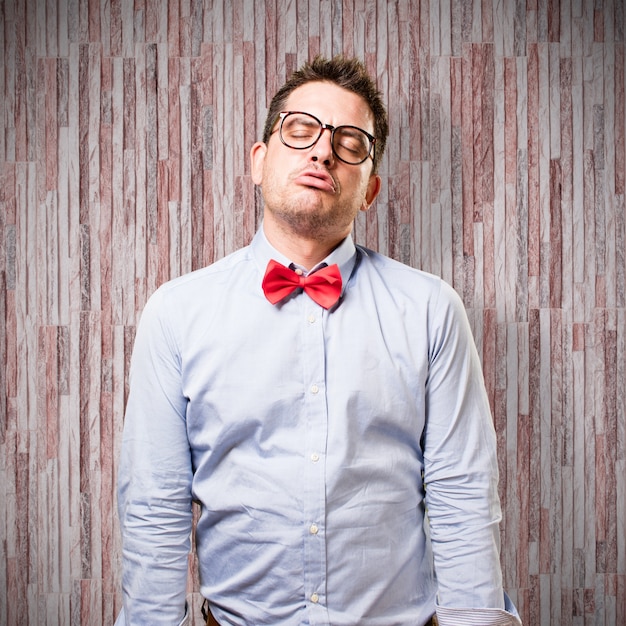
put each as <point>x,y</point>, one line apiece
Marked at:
<point>313,529</point>
<point>314,389</point>
<point>311,319</point>
<point>315,598</point>
<point>315,457</point>
<point>299,272</point>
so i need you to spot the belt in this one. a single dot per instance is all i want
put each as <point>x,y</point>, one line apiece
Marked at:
<point>207,615</point>
<point>211,621</point>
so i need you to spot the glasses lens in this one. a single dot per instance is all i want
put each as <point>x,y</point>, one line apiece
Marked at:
<point>299,130</point>
<point>351,144</point>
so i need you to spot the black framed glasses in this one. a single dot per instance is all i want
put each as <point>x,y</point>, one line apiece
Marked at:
<point>350,144</point>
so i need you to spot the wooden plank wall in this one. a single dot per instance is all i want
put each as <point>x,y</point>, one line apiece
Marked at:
<point>123,162</point>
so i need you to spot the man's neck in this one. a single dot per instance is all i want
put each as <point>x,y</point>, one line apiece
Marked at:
<point>304,251</point>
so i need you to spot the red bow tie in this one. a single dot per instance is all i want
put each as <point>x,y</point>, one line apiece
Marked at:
<point>323,286</point>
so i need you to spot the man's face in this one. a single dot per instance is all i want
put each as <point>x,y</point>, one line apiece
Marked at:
<point>310,192</point>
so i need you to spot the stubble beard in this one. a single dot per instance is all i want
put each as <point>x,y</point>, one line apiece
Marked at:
<point>312,221</point>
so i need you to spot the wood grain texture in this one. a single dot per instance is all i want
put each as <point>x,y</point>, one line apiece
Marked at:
<point>124,162</point>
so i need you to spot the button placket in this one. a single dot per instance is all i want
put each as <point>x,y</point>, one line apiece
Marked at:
<point>315,441</point>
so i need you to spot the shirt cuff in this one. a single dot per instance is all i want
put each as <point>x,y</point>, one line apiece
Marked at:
<point>508,616</point>
<point>121,618</point>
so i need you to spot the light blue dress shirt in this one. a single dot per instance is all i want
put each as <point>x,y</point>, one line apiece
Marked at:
<point>340,457</point>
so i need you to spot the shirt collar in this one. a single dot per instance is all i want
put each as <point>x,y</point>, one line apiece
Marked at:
<point>344,255</point>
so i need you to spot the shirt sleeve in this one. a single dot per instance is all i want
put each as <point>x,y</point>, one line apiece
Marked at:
<point>461,471</point>
<point>154,485</point>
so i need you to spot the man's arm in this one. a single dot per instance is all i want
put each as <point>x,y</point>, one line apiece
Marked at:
<point>154,488</point>
<point>461,474</point>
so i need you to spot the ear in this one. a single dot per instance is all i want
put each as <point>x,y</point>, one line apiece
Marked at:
<point>373,189</point>
<point>257,159</point>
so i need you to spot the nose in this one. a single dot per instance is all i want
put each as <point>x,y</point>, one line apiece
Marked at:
<point>322,150</point>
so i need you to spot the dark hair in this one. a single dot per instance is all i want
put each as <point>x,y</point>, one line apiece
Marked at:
<point>350,74</point>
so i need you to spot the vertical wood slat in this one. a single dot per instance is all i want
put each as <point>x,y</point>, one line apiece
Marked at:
<point>124,162</point>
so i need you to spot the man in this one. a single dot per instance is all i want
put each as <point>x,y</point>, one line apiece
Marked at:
<point>323,403</point>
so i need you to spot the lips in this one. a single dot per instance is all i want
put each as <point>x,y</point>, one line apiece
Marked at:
<point>318,179</point>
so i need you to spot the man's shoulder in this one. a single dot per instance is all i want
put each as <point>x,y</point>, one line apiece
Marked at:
<point>216,273</point>
<point>390,267</point>
<point>200,293</point>
<point>413,283</point>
